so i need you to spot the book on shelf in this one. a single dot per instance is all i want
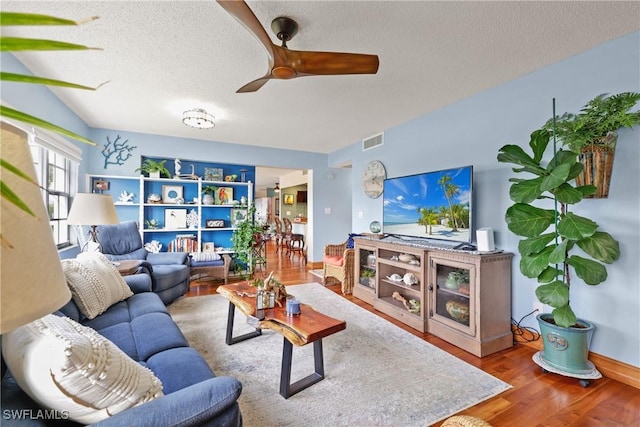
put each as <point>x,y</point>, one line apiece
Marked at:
<point>184,244</point>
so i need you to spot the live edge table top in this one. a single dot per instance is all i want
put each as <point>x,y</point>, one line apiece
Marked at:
<point>309,326</point>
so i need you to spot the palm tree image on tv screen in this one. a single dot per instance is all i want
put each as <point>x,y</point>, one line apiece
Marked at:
<point>431,205</point>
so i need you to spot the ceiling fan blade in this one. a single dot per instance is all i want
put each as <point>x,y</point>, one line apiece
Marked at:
<point>331,63</point>
<point>244,15</point>
<point>254,85</point>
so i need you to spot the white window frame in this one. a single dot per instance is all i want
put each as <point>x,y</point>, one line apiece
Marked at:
<point>45,145</point>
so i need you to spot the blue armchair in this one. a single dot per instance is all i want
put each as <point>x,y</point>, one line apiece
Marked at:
<point>169,271</point>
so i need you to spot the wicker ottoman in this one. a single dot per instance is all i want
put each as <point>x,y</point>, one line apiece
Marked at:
<point>210,269</point>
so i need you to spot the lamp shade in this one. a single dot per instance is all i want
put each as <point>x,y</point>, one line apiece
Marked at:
<point>92,209</point>
<point>32,283</point>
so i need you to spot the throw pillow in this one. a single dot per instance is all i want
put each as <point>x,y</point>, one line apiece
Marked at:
<point>95,283</point>
<point>333,260</point>
<point>350,243</point>
<point>74,370</point>
<point>205,256</point>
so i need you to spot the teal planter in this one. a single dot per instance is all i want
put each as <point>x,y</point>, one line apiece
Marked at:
<point>566,349</point>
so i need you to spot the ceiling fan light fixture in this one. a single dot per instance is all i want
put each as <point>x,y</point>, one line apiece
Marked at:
<point>277,188</point>
<point>198,118</point>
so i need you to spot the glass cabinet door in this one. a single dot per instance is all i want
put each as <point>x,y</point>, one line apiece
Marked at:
<point>452,290</point>
<point>366,274</point>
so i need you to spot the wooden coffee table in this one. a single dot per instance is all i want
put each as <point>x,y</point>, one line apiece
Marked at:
<point>308,327</point>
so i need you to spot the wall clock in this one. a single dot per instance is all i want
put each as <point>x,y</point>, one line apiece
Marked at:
<point>372,179</point>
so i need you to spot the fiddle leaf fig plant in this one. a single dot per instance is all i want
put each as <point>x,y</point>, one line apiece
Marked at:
<point>543,214</point>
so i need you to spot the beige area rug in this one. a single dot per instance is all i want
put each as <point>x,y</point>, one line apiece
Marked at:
<point>376,374</point>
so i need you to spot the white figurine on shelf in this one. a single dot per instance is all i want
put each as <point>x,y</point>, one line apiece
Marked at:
<point>126,197</point>
<point>176,164</point>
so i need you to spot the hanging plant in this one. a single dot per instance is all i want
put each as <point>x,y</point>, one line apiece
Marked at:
<point>592,135</point>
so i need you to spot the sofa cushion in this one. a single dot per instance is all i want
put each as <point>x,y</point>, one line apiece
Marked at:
<point>94,282</point>
<point>333,260</point>
<point>72,369</point>
<point>173,375</point>
<point>169,335</point>
<point>127,310</point>
<point>218,263</point>
<point>168,276</point>
<point>121,239</point>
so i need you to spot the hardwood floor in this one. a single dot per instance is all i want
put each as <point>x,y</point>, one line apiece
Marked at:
<point>536,399</point>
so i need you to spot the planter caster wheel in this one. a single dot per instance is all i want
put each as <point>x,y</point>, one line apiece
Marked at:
<point>584,383</point>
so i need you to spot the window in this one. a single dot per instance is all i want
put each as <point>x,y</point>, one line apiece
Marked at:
<point>56,163</point>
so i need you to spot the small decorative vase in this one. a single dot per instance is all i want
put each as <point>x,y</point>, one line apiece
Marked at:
<point>452,281</point>
<point>154,174</point>
<point>207,199</point>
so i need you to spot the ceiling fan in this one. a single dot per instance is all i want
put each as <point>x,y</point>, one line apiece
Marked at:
<point>288,64</point>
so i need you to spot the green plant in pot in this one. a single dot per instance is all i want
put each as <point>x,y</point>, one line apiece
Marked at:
<point>557,243</point>
<point>367,277</point>
<point>244,238</point>
<point>208,191</point>
<point>592,135</point>
<point>154,169</point>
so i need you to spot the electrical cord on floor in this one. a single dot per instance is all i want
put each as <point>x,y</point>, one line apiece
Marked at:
<point>524,333</point>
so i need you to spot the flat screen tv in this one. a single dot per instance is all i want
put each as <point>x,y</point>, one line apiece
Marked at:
<point>431,205</point>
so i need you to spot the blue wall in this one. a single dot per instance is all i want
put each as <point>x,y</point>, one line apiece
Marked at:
<point>468,132</point>
<point>471,132</point>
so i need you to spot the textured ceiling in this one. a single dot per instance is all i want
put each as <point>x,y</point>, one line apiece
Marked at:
<point>163,57</point>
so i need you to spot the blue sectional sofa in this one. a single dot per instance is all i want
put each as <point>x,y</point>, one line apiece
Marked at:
<point>142,328</point>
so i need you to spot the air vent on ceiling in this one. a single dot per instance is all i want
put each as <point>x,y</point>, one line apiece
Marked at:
<point>372,141</point>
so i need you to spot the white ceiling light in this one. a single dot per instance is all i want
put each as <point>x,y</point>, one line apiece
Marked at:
<point>277,188</point>
<point>198,118</point>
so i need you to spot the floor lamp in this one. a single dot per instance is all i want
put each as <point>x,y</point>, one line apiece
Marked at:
<point>32,283</point>
<point>92,209</point>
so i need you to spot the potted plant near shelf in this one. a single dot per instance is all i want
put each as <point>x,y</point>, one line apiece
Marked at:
<point>591,134</point>
<point>154,169</point>
<point>208,191</point>
<point>368,277</point>
<point>244,238</point>
<point>544,214</point>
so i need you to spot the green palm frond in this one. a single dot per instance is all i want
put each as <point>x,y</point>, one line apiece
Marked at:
<point>27,118</point>
<point>10,44</point>
<point>23,78</point>
<point>18,18</point>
